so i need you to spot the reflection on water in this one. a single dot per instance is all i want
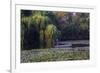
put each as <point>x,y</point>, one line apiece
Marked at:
<point>72,44</point>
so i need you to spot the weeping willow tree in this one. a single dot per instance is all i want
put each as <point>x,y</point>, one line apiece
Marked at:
<point>50,35</point>
<point>25,25</point>
<point>40,22</point>
<point>47,30</point>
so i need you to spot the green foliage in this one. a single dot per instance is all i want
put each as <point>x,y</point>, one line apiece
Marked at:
<point>41,22</point>
<point>50,35</point>
<point>52,25</point>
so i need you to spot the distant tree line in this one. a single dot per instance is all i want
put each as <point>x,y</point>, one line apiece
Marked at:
<point>42,29</point>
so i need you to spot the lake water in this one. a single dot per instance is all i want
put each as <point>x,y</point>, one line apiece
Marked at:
<point>76,43</point>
